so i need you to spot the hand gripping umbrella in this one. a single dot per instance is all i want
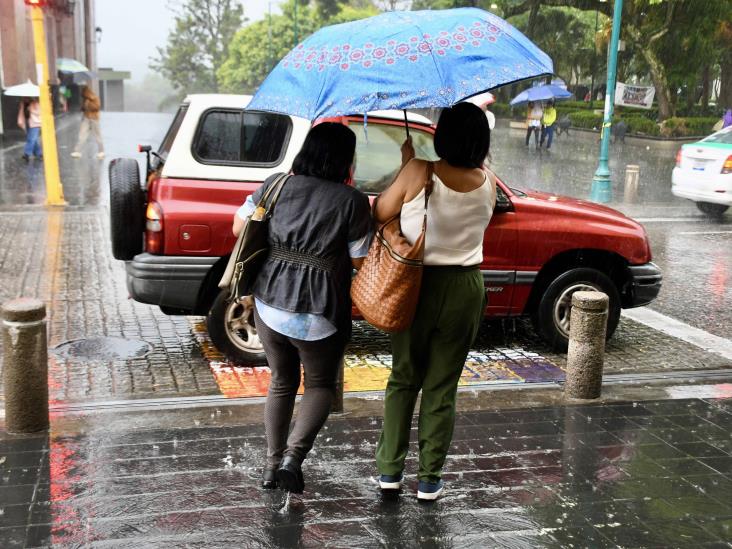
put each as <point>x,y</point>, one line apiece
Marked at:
<point>399,60</point>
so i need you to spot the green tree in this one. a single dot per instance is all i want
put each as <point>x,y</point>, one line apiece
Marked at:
<point>257,48</point>
<point>199,43</point>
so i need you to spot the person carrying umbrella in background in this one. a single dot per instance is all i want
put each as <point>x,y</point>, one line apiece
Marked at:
<point>29,119</point>
<point>90,107</point>
<point>547,124</point>
<point>534,114</point>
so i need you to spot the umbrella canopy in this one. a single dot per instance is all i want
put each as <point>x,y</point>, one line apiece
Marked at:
<point>399,60</point>
<point>29,89</point>
<point>64,64</point>
<point>541,93</point>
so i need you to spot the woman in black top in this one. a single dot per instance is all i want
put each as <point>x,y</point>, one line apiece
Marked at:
<point>320,230</point>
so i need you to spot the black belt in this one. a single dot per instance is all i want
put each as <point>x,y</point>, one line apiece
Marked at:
<point>301,258</point>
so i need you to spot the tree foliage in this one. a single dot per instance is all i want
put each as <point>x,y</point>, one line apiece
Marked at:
<point>198,44</point>
<point>256,49</point>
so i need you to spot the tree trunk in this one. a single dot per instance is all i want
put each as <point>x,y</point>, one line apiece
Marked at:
<point>725,81</point>
<point>536,4</point>
<point>660,82</point>
<point>706,87</point>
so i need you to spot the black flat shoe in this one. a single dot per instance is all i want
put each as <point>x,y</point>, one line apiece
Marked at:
<point>289,475</point>
<point>269,480</point>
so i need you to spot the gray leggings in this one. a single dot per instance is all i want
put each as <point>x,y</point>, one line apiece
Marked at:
<point>320,360</point>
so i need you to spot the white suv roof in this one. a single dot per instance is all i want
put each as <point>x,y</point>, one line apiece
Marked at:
<point>181,163</point>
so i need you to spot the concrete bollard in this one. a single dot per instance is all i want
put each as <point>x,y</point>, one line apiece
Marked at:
<point>337,407</point>
<point>25,365</point>
<point>587,333</point>
<point>632,181</point>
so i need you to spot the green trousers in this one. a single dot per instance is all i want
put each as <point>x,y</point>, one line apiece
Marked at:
<point>430,357</point>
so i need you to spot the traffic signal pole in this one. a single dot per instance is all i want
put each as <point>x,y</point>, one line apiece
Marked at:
<point>601,190</point>
<point>54,190</point>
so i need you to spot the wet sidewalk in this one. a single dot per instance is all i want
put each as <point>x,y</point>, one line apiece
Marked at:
<point>654,473</point>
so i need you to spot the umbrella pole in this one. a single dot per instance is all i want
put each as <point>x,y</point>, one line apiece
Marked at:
<point>406,122</point>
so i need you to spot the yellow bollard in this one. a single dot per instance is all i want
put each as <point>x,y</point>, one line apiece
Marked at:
<point>54,190</point>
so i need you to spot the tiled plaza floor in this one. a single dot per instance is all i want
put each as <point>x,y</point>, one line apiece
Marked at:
<point>634,474</point>
<point>64,258</point>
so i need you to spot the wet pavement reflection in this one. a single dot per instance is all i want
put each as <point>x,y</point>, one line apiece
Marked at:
<point>84,180</point>
<point>624,474</point>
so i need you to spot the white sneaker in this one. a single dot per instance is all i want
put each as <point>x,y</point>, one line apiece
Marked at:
<point>100,154</point>
<point>429,491</point>
<point>391,482</point>
<point>76,154</point>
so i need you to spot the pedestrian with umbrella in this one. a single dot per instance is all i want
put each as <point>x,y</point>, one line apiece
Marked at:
<point>547,124</point>
<point>90,107</point>
<point>29,117</point>
<point>404,60</point>
<point>536,119</point>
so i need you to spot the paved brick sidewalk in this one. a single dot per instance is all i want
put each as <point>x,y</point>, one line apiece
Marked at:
<point>64,258</point>
<point>634,474</point>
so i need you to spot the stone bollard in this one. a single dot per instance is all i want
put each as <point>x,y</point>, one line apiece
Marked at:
<point>337,407</point>
<point>25,365</point>
<point>632,181</point>
<point>587,333</point>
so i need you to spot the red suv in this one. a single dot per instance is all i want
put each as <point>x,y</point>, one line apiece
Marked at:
<point>174,232</point>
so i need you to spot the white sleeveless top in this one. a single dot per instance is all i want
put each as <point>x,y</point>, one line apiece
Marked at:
<point>456,223</point>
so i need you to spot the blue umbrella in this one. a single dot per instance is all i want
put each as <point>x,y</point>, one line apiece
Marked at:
<point>399,60</point>
<point>541,93</point>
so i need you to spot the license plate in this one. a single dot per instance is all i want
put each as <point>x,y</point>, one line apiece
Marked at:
<point>698,166</point>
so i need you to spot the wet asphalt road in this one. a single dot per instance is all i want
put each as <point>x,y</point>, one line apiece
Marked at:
<point>694,252</point>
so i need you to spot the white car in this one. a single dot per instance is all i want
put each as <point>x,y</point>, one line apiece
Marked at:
<point>703,173</point>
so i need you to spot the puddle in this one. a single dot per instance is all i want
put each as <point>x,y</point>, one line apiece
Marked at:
<point>103,348</point>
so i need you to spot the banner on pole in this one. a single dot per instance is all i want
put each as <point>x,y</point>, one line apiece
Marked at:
<point>639,97</point>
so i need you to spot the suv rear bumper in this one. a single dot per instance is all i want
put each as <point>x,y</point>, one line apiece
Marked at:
<point>645,283</point>
<point>171,282</point>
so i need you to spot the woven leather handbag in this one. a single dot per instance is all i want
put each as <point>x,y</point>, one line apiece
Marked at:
<point>252,245</point>
<point>386,287</point>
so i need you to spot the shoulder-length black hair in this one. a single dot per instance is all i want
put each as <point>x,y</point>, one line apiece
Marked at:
<point>463,137</point>
<point>327,152</point>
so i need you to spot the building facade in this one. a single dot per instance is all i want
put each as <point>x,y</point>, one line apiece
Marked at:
<point>70,32</point>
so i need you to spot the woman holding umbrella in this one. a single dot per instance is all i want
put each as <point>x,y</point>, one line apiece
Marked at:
<point>29,119</point>
<point>430,355</point>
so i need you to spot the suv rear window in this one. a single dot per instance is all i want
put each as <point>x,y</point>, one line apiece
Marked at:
<point>238,137</point>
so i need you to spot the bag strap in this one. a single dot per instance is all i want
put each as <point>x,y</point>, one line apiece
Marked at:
<point>284,178</point>
<point>277,181</point>
<point>428,188</point>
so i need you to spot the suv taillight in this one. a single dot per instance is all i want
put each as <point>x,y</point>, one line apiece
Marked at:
<point>678,159</point>
<point>154,235</point>
<point>727,166</point>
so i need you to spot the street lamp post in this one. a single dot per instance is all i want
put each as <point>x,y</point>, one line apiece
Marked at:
<point>54,190</point>
<point>601,190</point>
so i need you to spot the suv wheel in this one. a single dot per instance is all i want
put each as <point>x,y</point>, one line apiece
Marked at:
<point>126,208</point>
<point>553,314</point>
<point>712,210</point>
<point>232,330</point>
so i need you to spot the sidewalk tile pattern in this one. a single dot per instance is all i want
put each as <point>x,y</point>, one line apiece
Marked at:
<point>635,474</point>
<point>65,259</point>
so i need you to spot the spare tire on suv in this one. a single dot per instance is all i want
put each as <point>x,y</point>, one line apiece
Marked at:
<point>126,208</point>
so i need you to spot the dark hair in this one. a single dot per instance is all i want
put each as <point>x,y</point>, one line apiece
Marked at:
<point>463,137</point>
<point>327,152</point>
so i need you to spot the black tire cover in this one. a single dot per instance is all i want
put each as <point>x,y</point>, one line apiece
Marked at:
<point>126,208</point>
